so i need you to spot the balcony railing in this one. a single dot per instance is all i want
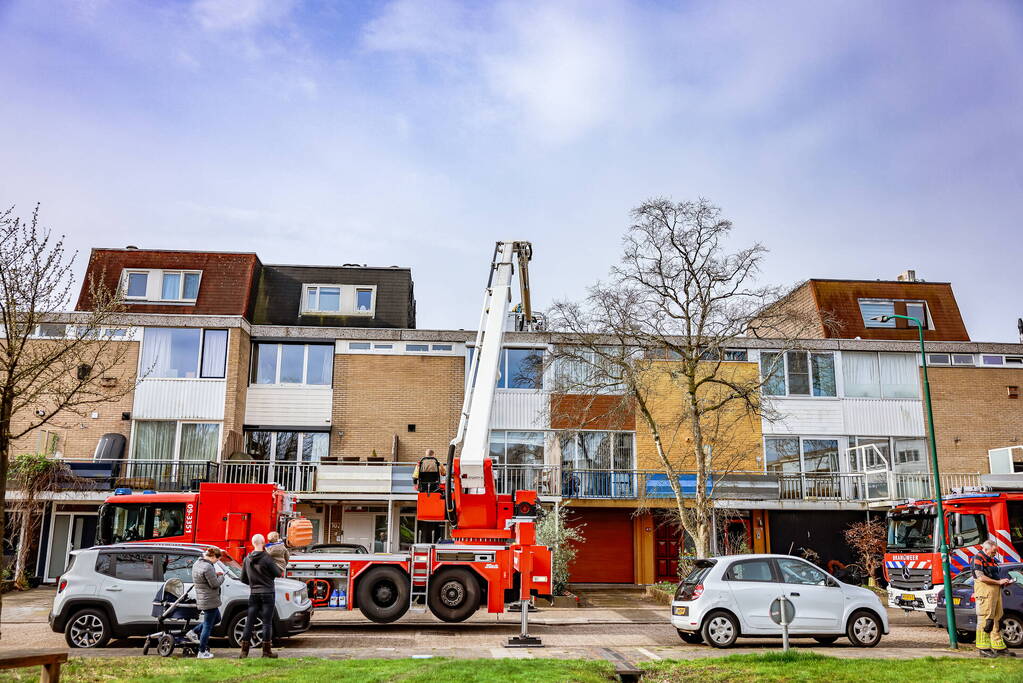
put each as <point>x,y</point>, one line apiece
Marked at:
<point>550,481</point>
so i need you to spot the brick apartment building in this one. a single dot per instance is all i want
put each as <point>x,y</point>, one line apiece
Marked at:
<point>317,379</point>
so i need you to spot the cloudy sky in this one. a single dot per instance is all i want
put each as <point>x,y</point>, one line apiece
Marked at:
<point>854,139</point>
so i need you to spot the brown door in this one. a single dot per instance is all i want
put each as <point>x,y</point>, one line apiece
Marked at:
<point>667,539</point>
<point>605,556</point>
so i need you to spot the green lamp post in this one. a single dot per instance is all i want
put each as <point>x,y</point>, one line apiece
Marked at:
<point>953,642</point>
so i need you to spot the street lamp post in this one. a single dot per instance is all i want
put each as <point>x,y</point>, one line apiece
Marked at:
<point>942,542</point>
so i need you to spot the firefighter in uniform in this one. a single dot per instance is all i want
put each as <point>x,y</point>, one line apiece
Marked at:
<point>987,591</point>
<point>428,472</point>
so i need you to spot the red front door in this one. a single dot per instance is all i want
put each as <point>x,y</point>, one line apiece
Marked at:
<point>667,541</point>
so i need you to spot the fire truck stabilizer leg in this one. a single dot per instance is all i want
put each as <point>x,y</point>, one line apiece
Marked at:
<point>524,639</point>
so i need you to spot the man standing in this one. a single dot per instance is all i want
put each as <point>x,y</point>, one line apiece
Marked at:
<point>278,550</point>
<point>987,591</point>
<point>259,571</point>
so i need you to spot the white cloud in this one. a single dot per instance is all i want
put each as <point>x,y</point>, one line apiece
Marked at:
<point>229,15</point>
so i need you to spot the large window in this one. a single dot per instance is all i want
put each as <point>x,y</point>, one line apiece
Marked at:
<point>167,440</point>
<point>517,368</point>
<point>285,450</point>
<point>183,353</point>
<point>310,364</point>
<point>173,286</point>
<point>339,299</point>
<point>872,309</point>
<point>798,373</point>
<point>807,455</point>
<point>880,375</point>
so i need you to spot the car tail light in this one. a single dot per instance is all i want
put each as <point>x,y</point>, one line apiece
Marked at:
<point>62,585</point>
<point>697,591</point>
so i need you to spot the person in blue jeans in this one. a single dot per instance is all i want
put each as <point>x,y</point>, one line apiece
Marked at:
<point>259,571</point>
<point>207,581</point>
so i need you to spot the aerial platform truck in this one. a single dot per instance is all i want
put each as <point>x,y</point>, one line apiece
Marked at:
<point>491,556</point>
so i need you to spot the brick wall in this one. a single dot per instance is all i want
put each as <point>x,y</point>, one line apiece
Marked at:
<point>376,397</point>
<point>794,316</point>
<point>971,405</point>
<point>734,436</point>
<point>78,434</point>
<point>238,352</point>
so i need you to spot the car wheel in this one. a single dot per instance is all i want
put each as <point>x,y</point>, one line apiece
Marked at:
<point>383,594</point>
<point>454,595</point>
<point>864,629</point>
<point>237,627</point>
<point>720,629</point>
<point>826,640</point>
<point>691,637</point>
<point>88,628</point>
<point>1012,630</point>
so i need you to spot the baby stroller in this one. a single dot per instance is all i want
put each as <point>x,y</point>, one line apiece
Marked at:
<point>173,604</point>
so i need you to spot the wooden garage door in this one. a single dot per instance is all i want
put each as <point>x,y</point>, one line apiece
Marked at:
<point>606,554</point>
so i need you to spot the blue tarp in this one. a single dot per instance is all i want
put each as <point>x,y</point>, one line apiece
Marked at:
<point>658,486</point>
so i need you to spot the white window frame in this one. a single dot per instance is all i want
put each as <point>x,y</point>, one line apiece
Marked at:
<point>842,441</point>
<point>154,284</point>
<point>277,368</point>
<point>928,323</point>
<point>202,346</point>
<point>272,460</point>
<point>347,299</point>
<point>181,284</point>
<point>784,369</point>
<point>129,271</point>
<point>177,440</point>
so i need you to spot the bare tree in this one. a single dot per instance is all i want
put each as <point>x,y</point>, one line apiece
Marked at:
<point>870,540</point>
<point>656,344</point>
<point>52,364</point>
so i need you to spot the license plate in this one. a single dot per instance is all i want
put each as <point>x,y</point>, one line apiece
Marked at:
<point>680,611</point>
<point>908,597</point>
<point>956,601</point>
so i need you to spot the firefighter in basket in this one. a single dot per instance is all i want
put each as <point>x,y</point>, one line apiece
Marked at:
<point>987,591</point>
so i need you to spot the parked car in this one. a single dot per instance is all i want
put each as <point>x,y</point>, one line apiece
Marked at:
<point>340,548</point>
<point>965,607</point>
<point>725,598</point>
<point>107,592</point>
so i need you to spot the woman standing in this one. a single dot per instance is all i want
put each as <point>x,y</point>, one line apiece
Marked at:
<point>207,581</point>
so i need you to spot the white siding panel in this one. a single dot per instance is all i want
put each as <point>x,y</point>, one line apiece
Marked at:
<point>805,416</point>
<point>301,406</point>
<point>353,479</point>
<point>520,410</point>
<point>179,399</point>
<point>883,417</point>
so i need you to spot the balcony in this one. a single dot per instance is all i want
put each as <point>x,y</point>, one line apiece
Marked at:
<point>550,481</point>
<point>151,475</point>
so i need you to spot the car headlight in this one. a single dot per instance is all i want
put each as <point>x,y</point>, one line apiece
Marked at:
<point>931,598</point>
<point>300,596</point>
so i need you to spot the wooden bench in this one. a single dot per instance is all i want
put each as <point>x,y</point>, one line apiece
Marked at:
<point>49,660</point>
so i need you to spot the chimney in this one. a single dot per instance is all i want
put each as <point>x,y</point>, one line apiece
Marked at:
<point>907,276</point>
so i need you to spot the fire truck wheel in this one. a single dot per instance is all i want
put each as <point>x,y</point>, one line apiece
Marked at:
<point>383,594</point>
<point>454,594</point>
<point>966,636</point>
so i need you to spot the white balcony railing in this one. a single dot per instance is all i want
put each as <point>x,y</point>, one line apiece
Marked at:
<point>550,481</point>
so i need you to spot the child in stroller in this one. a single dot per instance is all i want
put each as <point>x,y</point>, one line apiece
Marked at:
<point>173,603</point>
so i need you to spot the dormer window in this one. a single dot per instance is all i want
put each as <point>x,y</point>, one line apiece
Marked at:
<point>879,312</point>
<point>171,286</point>
<point>339,299</point>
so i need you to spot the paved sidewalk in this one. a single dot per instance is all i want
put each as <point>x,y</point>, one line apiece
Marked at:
<point>626,622</point>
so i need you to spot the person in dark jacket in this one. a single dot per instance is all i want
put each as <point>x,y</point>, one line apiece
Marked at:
<point>207,582</point>
<point>259,571</point>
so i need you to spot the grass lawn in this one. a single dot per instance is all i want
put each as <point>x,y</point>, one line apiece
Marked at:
<point>793,667</point>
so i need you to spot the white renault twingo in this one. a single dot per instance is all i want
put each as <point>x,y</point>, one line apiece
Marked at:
<point>725,598</point>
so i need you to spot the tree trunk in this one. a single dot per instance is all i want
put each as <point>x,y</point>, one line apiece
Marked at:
<point>21,561</point>
<point>6,408</point>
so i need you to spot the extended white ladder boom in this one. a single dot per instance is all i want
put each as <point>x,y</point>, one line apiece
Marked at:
<point>474,423</point>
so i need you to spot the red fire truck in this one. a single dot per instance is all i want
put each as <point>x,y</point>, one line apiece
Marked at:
<point>490,556</point>
<point>225,515</point>
<point>912,563</point>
